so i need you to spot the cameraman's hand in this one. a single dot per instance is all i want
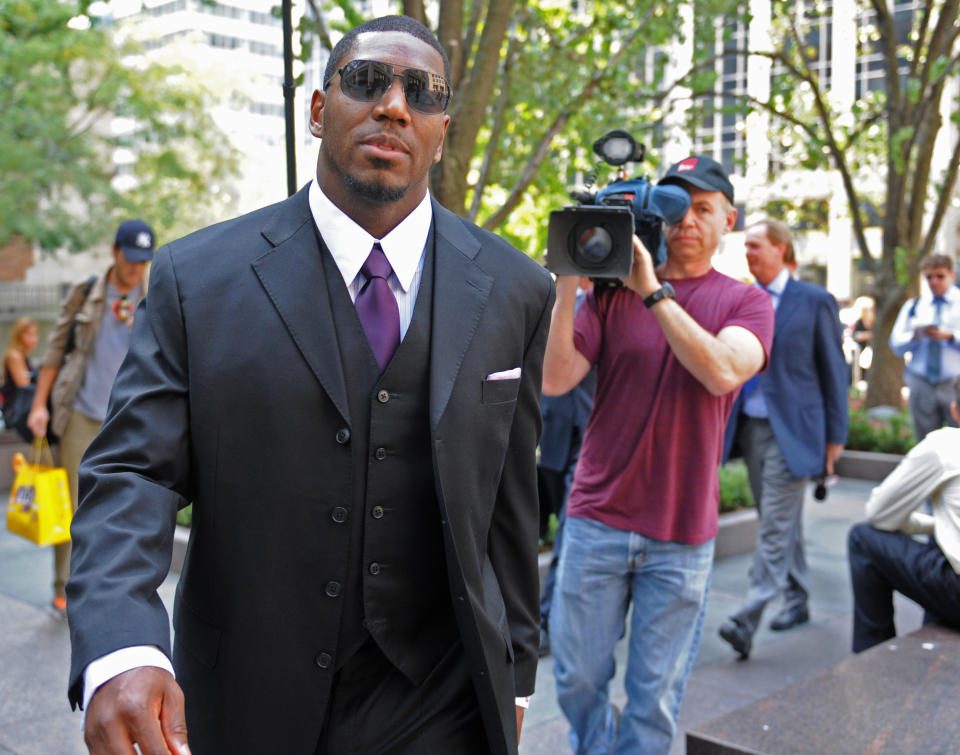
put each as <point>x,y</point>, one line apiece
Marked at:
<point>643,278</point>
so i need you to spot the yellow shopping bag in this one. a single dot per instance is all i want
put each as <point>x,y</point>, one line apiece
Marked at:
<point>39,508</point>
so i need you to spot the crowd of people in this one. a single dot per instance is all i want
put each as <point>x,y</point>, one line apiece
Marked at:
<point>362,568</point>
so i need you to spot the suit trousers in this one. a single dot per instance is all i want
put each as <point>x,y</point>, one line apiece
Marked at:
<point>929,404</point>
<point>375,710</point>
<point>779,562</point>
<point>881,562</point>
<point>77,435</point>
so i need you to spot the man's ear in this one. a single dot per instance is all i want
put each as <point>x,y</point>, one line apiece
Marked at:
<point>316,113</point>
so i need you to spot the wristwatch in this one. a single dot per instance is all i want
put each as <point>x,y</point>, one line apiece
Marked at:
<point>664,292</point>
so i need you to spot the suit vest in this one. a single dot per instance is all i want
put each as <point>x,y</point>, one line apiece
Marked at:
<point>396,587</point>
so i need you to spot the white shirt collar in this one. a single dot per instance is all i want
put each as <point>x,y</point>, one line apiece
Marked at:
<point>779,283</point>
<point>350,244</point>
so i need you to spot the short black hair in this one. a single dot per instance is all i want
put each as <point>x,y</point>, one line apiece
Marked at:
<point>404,24</point>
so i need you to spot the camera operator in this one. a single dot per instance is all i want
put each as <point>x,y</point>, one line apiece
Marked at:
<point>671,348</point>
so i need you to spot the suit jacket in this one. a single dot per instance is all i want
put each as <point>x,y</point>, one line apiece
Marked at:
<point>805,384</point>
<point>233,397</point>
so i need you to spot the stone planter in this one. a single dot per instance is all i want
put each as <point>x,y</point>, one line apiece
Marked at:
<point>866,465</point>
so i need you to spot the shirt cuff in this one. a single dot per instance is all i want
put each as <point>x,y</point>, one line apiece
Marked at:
<point>523,702</point>
<point>104,668</point>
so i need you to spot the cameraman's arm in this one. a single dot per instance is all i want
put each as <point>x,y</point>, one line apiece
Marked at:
<point>720,362</point>
<point>563,366</point>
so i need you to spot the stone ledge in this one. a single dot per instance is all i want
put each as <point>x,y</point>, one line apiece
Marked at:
<point>866,465</point>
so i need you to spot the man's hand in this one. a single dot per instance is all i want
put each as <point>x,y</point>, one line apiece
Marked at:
<point>37,421</point>
<point>143,705</point>
<point>833,453</point>
<point>643,278</point>
<point>519,721</point>
<point>937,333</point>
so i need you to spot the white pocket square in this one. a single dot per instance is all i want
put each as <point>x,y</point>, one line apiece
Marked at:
<point>505,374</point>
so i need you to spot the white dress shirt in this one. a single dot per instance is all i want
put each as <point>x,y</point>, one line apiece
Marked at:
<point>904,336</point>
<point>930,470</point>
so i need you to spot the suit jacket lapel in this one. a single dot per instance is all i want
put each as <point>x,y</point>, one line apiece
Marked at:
<point>789,304</point>
<point>293,278</point>
<point>460,293</point>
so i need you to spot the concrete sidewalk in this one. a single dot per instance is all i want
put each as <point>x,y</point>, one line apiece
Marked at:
<point>35,718</point>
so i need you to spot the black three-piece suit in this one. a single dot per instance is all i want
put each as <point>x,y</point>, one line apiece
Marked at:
<point>335,508</point>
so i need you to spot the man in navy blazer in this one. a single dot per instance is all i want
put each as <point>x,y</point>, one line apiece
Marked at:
<point>789,423</point>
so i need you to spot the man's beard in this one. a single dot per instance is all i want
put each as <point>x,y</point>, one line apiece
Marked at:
<point>375,192</point>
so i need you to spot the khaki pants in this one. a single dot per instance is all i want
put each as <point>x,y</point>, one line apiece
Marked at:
<point>78,434</point>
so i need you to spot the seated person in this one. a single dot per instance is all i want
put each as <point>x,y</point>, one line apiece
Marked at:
<point>884,555</point>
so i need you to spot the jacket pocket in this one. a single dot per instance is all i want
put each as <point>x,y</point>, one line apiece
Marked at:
<point>200,639</point>
<point>500,391</point>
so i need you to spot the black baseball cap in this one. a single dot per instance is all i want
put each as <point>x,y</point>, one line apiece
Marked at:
<point>702,172</point>
<point>136,240</point>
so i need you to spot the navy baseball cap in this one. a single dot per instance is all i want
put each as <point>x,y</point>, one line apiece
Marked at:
<point>700,171</point>
<point>136,240</point>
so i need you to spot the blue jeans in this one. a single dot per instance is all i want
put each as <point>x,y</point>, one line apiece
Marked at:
<point>602,569</point>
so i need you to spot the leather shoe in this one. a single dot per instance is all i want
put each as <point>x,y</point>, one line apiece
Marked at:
<point>739,638</point>
<point>544,649</point>
<point>790,617</point>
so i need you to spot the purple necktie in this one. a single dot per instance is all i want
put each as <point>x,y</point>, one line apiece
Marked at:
<point>377,307</point>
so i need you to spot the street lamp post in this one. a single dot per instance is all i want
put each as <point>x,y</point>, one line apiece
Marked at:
<point>289,90</point>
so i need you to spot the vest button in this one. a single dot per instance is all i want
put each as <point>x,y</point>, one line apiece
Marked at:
<point>380,454</point>
<point>343,435</point>
<point>339,515</point>
<point>377,512</point>
<point>374,568</point>
<point>383,396</point>
<point>333,589</point>
<point>323,660</point>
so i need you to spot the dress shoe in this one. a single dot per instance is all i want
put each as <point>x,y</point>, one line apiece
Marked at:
<point>544,649</point>
<point>738,636</point>
<point>790,617</point>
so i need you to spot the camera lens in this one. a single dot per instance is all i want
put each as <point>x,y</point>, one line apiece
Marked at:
<point>594,244</point>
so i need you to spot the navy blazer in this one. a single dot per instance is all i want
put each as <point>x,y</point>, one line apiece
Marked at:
<point>805,383</point>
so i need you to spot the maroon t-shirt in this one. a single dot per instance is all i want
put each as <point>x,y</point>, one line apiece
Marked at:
<point>651,449</point>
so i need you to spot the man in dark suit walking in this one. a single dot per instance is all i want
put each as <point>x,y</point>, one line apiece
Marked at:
<point>789,423</point>
<point>345,385</point>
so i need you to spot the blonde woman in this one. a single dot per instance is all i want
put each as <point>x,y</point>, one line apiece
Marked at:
<point>17,369</point>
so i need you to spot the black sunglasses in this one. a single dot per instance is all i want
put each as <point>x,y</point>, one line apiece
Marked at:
<point>369,80</point>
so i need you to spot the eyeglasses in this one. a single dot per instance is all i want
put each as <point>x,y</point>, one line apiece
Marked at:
<point>369,80</point>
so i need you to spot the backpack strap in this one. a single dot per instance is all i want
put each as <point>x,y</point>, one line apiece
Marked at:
<point>72,333</point>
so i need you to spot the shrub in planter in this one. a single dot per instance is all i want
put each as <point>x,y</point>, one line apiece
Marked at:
<point>891,433</point>
<point>734,487</point>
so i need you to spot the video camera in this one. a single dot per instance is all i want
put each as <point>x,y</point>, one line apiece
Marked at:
<point>595,237</point>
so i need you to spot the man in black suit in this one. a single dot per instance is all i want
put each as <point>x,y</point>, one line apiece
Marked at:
<point>362,569</point>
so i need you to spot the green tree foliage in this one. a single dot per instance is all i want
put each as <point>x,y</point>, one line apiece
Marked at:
<point>535,84</point>
<point>890,129</point>
<point>63,92</point>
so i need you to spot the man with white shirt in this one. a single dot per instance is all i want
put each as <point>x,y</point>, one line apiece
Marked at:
<point>884,552</point>
<point>346,387</point>
<point>789,423</point>
<point>928,327</point>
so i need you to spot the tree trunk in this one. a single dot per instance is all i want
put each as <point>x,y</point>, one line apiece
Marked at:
<point>449,177</point>
<point>886,371</point>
